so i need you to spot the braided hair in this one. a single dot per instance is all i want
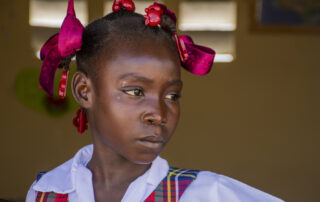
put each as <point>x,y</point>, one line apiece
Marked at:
<point>120,29</point>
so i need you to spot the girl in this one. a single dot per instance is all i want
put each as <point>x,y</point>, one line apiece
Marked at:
<point>128,85</point>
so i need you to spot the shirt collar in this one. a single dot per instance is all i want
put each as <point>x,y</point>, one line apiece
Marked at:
<point>62,179</point>
<point>157,171</point>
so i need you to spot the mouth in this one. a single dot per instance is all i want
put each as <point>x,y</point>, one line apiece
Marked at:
<point>151,142</point>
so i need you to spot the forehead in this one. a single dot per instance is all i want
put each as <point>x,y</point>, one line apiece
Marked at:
<point>147,56</point>
<point>159,68</point>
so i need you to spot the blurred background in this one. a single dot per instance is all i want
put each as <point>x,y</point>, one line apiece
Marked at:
<point>254,118</point>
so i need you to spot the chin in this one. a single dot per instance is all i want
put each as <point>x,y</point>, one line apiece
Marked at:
<point>143,163</point>
<point>145,159</point>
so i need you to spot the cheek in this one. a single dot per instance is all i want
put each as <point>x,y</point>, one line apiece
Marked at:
<point>173,116</point>
<point>118,109</point>
<point>112,120</point>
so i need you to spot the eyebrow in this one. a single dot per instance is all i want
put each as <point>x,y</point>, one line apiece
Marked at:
<point>136,77</point>
<point>175,83</point>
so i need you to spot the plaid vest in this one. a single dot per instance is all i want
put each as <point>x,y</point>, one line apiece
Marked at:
<point>170,188</point>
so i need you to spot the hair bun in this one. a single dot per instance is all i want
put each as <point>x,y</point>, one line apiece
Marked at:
<point>168,24</point>
<point>168,19</point>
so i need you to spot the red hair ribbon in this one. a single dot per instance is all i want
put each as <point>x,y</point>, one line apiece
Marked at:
<point>194,58</point>
<point>60,46</point>
<point>127,4</point>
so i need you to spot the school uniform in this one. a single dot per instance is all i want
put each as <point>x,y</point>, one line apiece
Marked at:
<point>72,181</point>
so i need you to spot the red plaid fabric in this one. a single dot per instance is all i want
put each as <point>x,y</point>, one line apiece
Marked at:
<point>51,197</point>
<point>173,185</point>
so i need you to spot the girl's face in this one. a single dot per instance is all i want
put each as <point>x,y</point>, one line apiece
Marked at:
<point>136,105</point>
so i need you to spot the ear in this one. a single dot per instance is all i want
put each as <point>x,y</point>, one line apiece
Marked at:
<point>82,89</point>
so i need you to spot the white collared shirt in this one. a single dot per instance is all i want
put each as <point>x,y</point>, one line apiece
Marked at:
<point>75,179</point>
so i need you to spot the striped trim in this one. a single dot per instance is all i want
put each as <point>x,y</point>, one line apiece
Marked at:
<point>173,185</point>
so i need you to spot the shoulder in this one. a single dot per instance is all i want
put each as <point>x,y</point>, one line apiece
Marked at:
<point>31,195</point>
<point>209,186</point>
<point>57,180</point>
<point>60,179</point>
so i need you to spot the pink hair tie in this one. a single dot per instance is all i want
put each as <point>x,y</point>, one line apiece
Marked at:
<point>194,58</point>
<point>57,48</point>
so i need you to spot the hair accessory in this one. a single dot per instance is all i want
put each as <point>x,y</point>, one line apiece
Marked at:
<point>58,51</point>
<point>153,16</point>
<point>194,58</point>
<point>199,59</point>
<point>167,11</point>
<point>81,120</point>
<point>63,84</point>
<point>183,53</point>
<point>127,4</point>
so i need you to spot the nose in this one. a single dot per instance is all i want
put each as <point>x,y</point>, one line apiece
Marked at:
<point>155,113</point>
<point>154,119</point>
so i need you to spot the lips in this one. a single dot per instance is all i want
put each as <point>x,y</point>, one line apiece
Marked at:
<point>152,138</point>
<point>151,142</point>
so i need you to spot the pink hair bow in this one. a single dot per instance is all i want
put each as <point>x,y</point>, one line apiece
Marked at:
<point>59,47</point>
<point>194,58</point>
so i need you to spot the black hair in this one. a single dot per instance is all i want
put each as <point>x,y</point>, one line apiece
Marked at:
<point>105,35</point>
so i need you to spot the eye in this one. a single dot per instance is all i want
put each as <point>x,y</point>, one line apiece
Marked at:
<point>173,96</point>
<point>134,92</point>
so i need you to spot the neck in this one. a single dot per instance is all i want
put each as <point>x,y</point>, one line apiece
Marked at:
<point>110,168</point>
